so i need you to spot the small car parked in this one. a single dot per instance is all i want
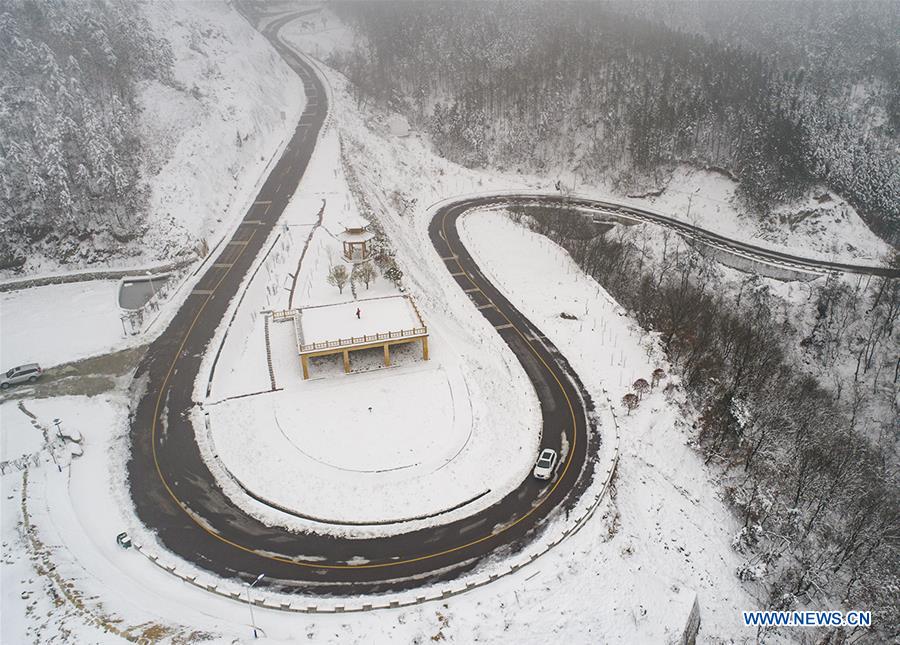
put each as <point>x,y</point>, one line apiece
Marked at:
<point>546,463</point>
<point>22,374</point>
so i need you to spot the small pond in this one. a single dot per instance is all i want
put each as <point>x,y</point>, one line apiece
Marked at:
<point>136,291</point>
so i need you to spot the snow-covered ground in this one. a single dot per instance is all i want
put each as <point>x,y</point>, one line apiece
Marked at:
<point>18,437</point>
<point>237,103</point>
<point>59,323</point>
<point>316,446</point>
<point>339,321</point>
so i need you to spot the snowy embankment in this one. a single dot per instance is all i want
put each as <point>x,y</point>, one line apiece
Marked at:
<point>211,139</point>
<point>821,226</point>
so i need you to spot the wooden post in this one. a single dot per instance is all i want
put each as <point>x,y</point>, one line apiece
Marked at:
<point>387,355</point>
<point>425,348</point>
<point>305,362</point>
<point>347,361</point>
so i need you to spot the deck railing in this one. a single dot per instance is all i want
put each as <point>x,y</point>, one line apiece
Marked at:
<point>362,340</point>
<point>284,315</point>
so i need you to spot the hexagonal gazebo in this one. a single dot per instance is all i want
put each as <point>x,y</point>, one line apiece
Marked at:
<point>356,239</point>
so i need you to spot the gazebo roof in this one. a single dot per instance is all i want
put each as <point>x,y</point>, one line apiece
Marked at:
<point>351,222</point>
<point>354,236</point>
<point>355,230</point>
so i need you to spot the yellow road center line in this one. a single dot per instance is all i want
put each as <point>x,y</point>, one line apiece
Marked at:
<point>377,565</point>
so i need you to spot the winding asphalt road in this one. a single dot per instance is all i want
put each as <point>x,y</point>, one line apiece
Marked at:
<point>176,495</point>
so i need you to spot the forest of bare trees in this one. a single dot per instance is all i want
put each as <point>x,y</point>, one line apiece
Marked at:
<point>813,480</point>
<point>70,154</point>
<point>603,89</point>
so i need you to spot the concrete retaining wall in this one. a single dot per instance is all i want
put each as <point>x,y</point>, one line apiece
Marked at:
<point>97,274</point>
<point>749,265</point>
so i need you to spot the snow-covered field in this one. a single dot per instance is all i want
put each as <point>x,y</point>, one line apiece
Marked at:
<point>18,437</point>
<point>59,323</point>
<point>315,444</point>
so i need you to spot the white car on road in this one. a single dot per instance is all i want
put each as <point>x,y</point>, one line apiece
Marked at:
<point>21,374</point>
<point>546,463</point>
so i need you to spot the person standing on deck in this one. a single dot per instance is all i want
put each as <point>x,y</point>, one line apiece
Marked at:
<point>357,313</point>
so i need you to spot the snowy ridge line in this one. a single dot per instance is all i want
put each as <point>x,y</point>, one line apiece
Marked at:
<point>16,284</point>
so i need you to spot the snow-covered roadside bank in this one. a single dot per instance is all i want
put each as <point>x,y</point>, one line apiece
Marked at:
<point>670,518</point>
<point>206,134</point>
<point>239,104</point>
<point>821,226</point>
<point>71,582</point>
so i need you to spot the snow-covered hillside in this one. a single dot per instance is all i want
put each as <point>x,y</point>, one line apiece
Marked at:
<point>821,225</point>
<point>195,136</point>
<point>210,139</point>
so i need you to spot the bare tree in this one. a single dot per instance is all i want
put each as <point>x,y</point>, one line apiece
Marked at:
<point>337,277</point>
<point>364,273</point>
<point>658,375</point>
